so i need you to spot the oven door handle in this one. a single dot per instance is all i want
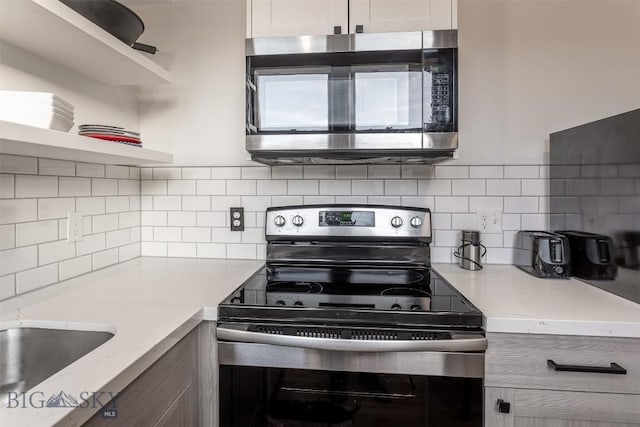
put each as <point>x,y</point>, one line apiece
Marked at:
<point>453,345</point>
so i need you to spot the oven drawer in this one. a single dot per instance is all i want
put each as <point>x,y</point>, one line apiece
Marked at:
<point>555,362</point>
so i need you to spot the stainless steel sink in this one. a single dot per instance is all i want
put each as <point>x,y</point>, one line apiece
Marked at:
<point>29,355</point>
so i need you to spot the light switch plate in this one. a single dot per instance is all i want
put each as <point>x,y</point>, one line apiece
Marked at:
<point>75,226</point>
<point>489,221</point>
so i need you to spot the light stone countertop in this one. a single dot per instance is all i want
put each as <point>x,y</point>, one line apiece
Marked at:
<point>151,303</point>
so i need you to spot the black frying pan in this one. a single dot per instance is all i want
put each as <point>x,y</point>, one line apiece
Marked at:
<point>114,18</point>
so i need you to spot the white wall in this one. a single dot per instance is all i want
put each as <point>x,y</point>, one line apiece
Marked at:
<point>532,67</point>
<point>527,68</point>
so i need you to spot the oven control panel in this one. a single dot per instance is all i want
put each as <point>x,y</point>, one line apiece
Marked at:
<point>348,221</point>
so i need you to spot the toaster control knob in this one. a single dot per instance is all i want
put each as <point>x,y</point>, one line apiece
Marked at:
<point>415,222</point>
<point>280,302</point>
<point>558,269</point>
<point>396,222</point>
<point>298,304</point>
<point>415,307</point>
<point>279,221</point>
<point>395,307</point>
<point>297,221</point>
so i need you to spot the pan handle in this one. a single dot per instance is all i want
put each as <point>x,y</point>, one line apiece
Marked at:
<point>144,47</point>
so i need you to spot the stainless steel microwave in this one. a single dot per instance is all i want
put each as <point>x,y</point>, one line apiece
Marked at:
<point>353,98</point>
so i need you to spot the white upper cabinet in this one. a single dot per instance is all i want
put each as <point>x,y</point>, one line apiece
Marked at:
<point>379,16</point>
<point>272,18</point>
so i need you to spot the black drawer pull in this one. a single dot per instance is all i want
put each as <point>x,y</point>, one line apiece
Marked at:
<point>613,369</point>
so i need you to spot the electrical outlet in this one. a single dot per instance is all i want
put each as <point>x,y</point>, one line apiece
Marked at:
<point>489,221</point>
<point>236,216</point>
<point>75,227</point>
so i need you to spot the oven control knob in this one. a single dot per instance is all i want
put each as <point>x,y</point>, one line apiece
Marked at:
<point>280,302</point>
<point>298,304</point>
<point>395,307</point>
<point>415,307</point>
<point>415,222</point>
<point>279,221</point>
<point>396,222</point>
<point>297,221</point>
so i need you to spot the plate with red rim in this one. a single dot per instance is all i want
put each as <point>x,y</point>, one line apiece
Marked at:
<point>113,138</point>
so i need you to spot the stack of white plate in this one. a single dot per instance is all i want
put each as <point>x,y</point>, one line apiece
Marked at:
<point>111,133</point>
<point>39,109</point>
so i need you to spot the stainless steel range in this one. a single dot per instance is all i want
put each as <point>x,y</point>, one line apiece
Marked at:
<point>347,324</point>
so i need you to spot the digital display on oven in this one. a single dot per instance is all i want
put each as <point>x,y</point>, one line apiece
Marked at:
<point>347,219</point>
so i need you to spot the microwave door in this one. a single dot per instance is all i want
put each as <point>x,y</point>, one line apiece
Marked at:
<point>292,100</point>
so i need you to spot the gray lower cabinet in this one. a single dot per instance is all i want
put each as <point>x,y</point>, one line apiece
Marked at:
<point>166,394</point>
<point>584,386</point>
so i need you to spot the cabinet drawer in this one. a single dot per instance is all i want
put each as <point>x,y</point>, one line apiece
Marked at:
<point>521,360</point>
<point>530,408</point>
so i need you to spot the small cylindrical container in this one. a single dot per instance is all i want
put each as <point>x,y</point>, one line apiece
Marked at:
<point>470,251</point>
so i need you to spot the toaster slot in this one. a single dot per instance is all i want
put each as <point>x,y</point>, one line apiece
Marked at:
<point>555,251</point>
<point>603,251</point>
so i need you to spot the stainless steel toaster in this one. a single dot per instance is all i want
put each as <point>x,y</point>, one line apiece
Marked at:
<point>543,254</point>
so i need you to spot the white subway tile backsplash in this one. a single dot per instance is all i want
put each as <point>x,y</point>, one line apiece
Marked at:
<point>196,203</point>
<point>435,187</point>
<point>417,171</point>
<point>441,255</point>
<point>503,187</point>
<point>128,252</point>
<point>75,267</point>
<point>186,218</point>
<point>440,221</point>
<point>135,235</point>
<point>343,199</point>
<point>91,205</point>
<point>534,187</point>
<point>485,204</point>
<point>286,172</point>
<point>105,258</point>
<point>134,203</point>
<point>253,235</point>
<point>319,171</point>
<point>351,171</point>
<point>255,203</point>
<point>418,201</point>
<point>31,233</point>
<point>211,250</point>
<point>153,248</point>
<point>30,186</point>
<point>226,173</point>
<point>90,170</point>
<point>335,187</point>
<point>167,173</point>
<point>463,221</point>
<point>7,186</point>
<point>522,171</point>
<point>129,187</point>
<point>492,240</point>
<point>181,187</point>
<point>318,200</point>
<point>383,171</point>
<point>500,256</point>
<point>384,200</point>
<point>154,218</point>
<point>534,221</point>
<point>117,238</point>
<point>301,187</point>
<point>146,203</point>
<point>113,171</point>
<point>146,234</point>
<point>167,234</point>
<point>196,234</point>
<point>91,244</point>
<point>155,187</point>
<point>458,172</point>
<point>56,167</point>
<point>275,187</point>
<point>451,204</point>
<point>468,187</point>
<point>74,186</point>
<point>55,208</point>
<point>38,277</point>
<point>366,188</point>
<point>196,173</point>
<point>13,260</point>
<point>211,187</point>
<point>14,210</point>
<point>223,203</point>
<point>146,173</point>
<point>250,219</point>
<point>7,236</point>
<point>511,222</point>
<point>401,187</point>
<point>447,238</point>
<point>287,200</point>
<point>7,286</point>
<point>182,250</point>
<point>55,251</point>
<point>212,219</point>
<point>167,203</point>
<point>18,164</point>
<point>134,173</point>
<point>101,223</point>
<point>520,204</point>
<point>104,187</point>
<point>486,171</point>
<point>116,204</point>
<point>256,173</point>
<point>241,251</point>
<point>224,235</point>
